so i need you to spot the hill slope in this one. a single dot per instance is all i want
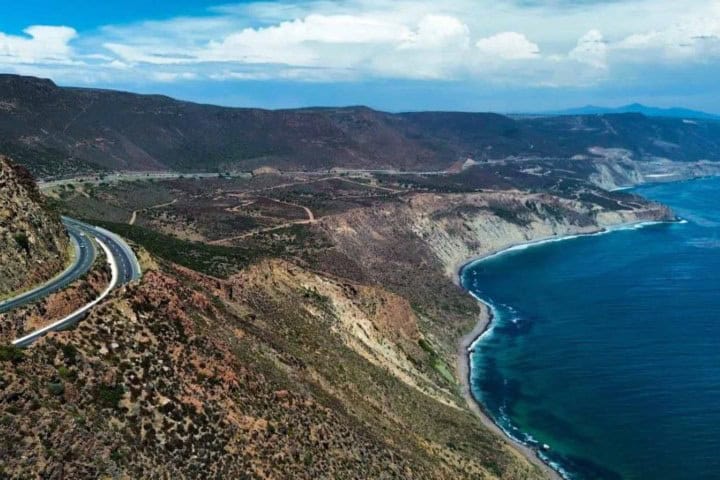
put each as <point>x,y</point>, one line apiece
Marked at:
<point>33,243</point>
<point>64,131</point>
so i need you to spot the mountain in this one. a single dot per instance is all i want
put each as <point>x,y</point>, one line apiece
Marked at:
<point>643,109</point>
<point>33,243</point>
<point>58,131</point>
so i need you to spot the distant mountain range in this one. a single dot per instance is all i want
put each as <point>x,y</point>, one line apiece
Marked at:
<point>639,108</point>
<point>56,131</point>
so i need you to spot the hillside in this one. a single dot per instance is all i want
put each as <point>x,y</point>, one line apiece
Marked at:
<point>273,373</point>
<point>301,327</point>
<point>58,131</point>
<point>33,242</point>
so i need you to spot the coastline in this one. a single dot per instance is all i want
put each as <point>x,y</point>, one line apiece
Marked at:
<point>485,322</point>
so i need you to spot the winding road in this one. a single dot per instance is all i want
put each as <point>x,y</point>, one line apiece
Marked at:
<point>123,264</point>
<point>84,256</point>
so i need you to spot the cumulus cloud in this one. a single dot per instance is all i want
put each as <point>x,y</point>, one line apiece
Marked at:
<point>591,49</point>
<point>350,40</point>
<point>438,31</point>
<point>508,46</point>
<point>43,44</point>
<point>693,37</point>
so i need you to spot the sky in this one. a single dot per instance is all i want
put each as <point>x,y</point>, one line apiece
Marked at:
<point>395,55</point>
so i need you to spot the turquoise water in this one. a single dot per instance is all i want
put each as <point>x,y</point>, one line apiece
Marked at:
<point>607,348</point>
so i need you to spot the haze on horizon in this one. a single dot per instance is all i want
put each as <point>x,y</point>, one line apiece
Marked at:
<point>508,56</point>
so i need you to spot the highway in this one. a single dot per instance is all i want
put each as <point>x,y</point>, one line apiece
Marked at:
<point>123,264</point>
<point>84,253</point>
<point>127,263</point>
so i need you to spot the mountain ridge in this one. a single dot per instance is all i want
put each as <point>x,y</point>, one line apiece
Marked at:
<point>669,112</point>
<point>65,131</point>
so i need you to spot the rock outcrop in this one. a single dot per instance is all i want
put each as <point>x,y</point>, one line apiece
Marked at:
<point>33,242</point>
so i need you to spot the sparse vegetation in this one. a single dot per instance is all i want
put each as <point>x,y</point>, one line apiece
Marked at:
<point>9,353</point>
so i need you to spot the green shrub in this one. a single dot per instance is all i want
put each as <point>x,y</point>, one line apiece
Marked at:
<point>70,352</point>
<point>56,388</point>
<point>22,241</point>
<point>109,396</point>
<point>10,353</point>
<point>66,373</point>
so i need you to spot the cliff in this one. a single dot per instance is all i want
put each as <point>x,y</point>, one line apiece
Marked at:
<point>415,247</point>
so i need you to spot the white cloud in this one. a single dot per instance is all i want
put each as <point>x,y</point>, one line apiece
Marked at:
<point>691,38</point>
<point>438,31</point>
<point>43,44</point>
<point>302,41</point>
<point>340,46</point>
<point>508,46</point>
<point>347,40</point>
<point>173,76</point>
<point>591,49</point>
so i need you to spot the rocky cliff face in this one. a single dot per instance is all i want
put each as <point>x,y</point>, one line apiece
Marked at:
<point>415,247</point>
<point>33,242</point>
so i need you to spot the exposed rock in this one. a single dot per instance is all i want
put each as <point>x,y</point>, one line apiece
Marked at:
<point>33,242</point>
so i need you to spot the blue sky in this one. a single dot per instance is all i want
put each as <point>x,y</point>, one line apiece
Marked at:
<point>477,55</point>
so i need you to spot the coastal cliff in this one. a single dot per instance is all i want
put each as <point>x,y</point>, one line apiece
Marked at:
<point>417,246</point>
<point>443,232</point>
<point>320,342</point>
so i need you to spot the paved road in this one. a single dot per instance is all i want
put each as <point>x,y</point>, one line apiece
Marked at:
<point>125,259</point>
<point>123,264</point>
<point>84,257</point>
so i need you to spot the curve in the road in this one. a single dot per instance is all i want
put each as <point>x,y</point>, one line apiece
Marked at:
<point>79,313</point>
<point>123,263</point>
<point>84,256</point>
<point>127,262</point>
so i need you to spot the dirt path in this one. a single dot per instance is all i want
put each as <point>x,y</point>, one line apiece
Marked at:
<point>367,185</point>
<point>311,219</point>
<point>135,213</point>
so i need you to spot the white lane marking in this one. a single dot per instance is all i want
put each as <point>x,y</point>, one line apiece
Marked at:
<point>130,259</point>
<point>74,264</point>
<point>80,311</point>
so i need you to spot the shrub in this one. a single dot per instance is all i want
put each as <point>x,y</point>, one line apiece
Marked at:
<point>56,388</point>
<point>69,352</point>
<point>10,353</point>
<point>109,396</point>
<point>66,374</point>
<point>22,241</point>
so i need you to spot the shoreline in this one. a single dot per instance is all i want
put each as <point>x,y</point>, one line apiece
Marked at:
<point>484,325</point>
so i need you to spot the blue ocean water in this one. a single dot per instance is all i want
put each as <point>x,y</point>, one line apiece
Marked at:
<point>607,348</point>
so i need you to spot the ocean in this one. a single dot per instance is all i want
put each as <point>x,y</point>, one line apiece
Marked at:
<point>605,350</point>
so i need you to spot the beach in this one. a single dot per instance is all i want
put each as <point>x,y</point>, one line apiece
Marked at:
<point>484,323</point>
<point>464,370</point>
